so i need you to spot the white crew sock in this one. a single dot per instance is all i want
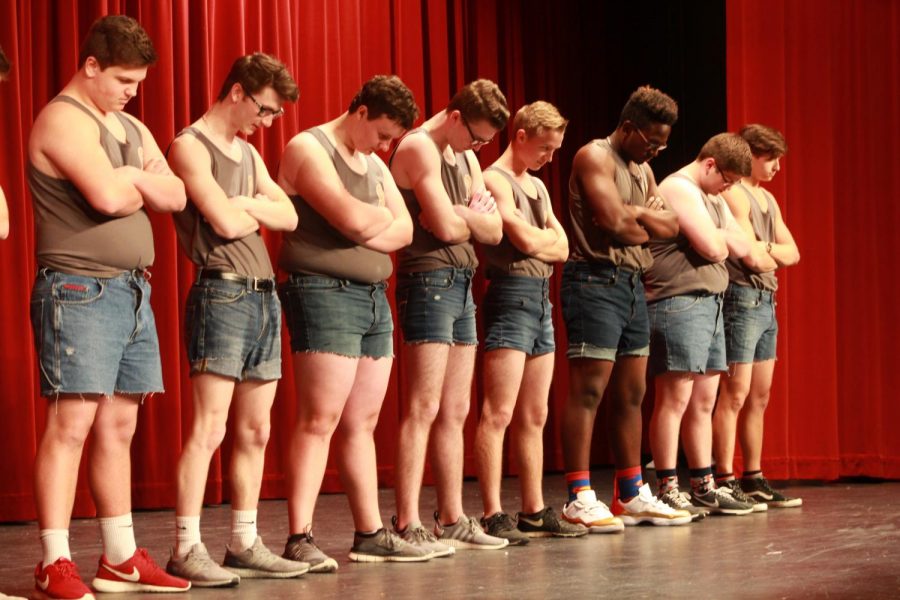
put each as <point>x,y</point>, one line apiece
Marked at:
<point>187,534</point>
<point>55,544</point>
<point>117,534</point>
<point>243,529</point>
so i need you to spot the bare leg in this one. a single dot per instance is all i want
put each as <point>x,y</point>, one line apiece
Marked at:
<point>752,417</point>
<point>252,407</point>
<point>696,428</point>
<point>447,435</point>
<point>426,365</point>
<point>355,447</point>
<point>503,369</point>
<point>110,456</point>
<point>627,388</point>
<point>324,383</point>
<point>733,391</point>
<point>673,393</point>
<point>587,382</point>
<point>528,429</point>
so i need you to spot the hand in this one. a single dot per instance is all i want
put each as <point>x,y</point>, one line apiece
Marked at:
<point>655,203</point>
<point>424,223</point>
<point>482,202</point>
<point>157,166</point>
<point>262,197</point>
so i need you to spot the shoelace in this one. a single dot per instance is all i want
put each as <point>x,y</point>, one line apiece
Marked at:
<point>738,494</point>
<point>764,484</point>
<point>67,568</point>
<point>501,520</point>
<point>419,534</point>
<point>675,496</point>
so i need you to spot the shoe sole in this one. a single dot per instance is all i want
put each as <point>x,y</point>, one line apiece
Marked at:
<point>39,594</point>
<point>450,551</point>
<point>792,503</point>
<point>615,527</point>
<point>472,546</point>
<point>261,574</point>
<point>557,534</point>
<point>329,565</point>
<point>658,521</point>
<point>373,558</point>
<point>760,507</point>
<point>730,512</point>
<point>108,586</point>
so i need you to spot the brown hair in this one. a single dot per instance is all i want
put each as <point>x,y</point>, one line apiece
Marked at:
<point>648,105</point>
<point>763,140</point>
<point>481,100</point>
<point>117,41</point>
<point>255,71</point>
<point>730,152</point>
<point>5,66</point>
<point>537,117</point>
<point>387,95</point>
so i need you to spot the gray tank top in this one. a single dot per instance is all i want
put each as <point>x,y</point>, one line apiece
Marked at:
<point>317,248</point>
<point>678,269</point>
<point>593,243</point>
<point>247,256</point>
<point>426,252</point>
<point>505,258</point>
<point>764,228</point>
<point>72,236</point>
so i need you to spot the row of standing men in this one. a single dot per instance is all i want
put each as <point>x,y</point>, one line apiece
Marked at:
<point>677,279</point>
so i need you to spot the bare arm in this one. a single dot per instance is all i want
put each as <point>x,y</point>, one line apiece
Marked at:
<point>271,207</point>
<point>784,250</point>
<point>4,217</point>
<point>736,239</point>
<point>307,170</point>
<point>399,233</point>
<point>64,143</point>
<point>160,188</point>
<point>757,259</point>
<point>559,251</point>
<point>526,237</point>
<point>481,213</point>
<point>693,219</point>
<point>190,159</point>
<point>659,222</point>
<point>418,162</point>
<point>594,170</point>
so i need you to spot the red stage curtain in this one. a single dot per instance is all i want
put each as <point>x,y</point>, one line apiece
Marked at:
<point>827,77</point>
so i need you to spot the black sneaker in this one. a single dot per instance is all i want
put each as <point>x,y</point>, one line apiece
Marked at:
<point>738,494</point>
<point>385,546</point>
<point>501,525</point>
<point>759,489</point>
<point>545,523</point>
<point>720,501</point>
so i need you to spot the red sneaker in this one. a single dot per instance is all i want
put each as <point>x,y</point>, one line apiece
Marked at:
<point>137,574</point>
<point>60,581</point>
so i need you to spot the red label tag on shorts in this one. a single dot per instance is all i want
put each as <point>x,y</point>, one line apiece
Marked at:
<point>75,287</point>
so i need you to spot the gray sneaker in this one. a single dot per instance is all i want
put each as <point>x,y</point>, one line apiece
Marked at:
<point>257,561</point>
<point>467,533</point>
<point>198,567</point>
<point>420,537</point>
<point>720,501</point>
<point>501,525</point>
<point>675,499</point>
<point>738,494</point>
<point>302,548</point>
<point>545,523</point>
<point>385,546</point>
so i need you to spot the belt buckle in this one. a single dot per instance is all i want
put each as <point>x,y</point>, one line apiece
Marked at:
<point>259,284</point>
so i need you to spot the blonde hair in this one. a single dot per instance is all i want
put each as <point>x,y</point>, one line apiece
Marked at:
<point>537,117</point>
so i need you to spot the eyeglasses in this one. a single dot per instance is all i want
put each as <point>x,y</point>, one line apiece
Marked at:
<point>652,146</point>
<point>725,180</point>
<point>476,141</point>
<point>265,111</point>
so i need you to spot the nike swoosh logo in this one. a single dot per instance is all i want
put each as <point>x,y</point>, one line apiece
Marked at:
<point>246,522</point>
<point>527,521</point>
<point>134,576</point>
<point>45,583</point>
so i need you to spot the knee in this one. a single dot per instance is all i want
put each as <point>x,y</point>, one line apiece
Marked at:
<point>255,434</point>
<point>68,433</point>
<point>208,435</point>
<point>534,417</point>
<point>587,395</point>
<point>319,424</point>
<point>424,411</point>
<point>631,397</point>
<point>453,414</point>
<point>730,402</point>
<point>674,405</point>
<point>759,401</point>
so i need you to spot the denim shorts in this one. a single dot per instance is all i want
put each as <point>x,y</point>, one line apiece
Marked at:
<point>751,330</point>
<point>233,331</point>
<point>687,334</point>
<point>518,315</point>
<point>605,311</point>
<point>437,306</point>
<point>338,316</point>
<point>95,335</point>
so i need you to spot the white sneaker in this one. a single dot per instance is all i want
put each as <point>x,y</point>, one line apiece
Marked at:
<point>588,511</point>
<point>646,508</point>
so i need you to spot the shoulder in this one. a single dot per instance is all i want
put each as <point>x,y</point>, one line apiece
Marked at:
<point>593,158</point>
<point>416,150</point>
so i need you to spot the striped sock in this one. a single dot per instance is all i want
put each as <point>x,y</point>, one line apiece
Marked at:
<point>751,475</point>
<point>723,478</point>
<point>577,481</point>
<point>628,482</point>
<point>666,479</point>
<point>701,480</point>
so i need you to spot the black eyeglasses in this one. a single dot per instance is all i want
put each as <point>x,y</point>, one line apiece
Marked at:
<point>652,146</point>
<point>476,141</point>
<point>725,180</point>
<point>265,111</point>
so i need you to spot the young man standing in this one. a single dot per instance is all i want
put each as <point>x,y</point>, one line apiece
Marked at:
<point>685,284</point>
<point>751,329</point>
<point>93,171</point>
<point>440,179</point>
<point>615,210</point>
<point>233,317</point>
<point>351,217</point>
<point>519,344</point>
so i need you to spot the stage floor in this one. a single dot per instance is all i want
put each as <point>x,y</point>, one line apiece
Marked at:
<point>844,542</point>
